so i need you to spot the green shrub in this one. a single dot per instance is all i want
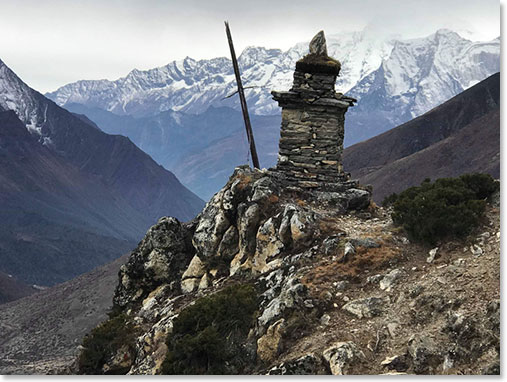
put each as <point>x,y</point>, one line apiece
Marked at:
<point>483,185</point>
<point>207,336</point>
<point>390,199</point>
<point>103,342</point>
<point>447,207</point>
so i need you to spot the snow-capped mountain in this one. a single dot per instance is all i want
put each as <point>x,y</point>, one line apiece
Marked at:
<point>17,96</point>
<point>418,75</point>
<point>384,72</point>
<point>192,86</point>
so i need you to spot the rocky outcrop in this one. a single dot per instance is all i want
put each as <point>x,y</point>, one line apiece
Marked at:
<point>365,308</point>
<point>160,258</point>
<point>308,364</point>
<point>316,310</point>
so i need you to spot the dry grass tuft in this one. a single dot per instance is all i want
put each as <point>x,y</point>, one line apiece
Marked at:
<point>244,181</point>
<point>273,199</point>
<point>371,259</point>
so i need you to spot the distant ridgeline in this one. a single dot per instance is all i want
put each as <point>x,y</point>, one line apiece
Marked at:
<point>180,115</point>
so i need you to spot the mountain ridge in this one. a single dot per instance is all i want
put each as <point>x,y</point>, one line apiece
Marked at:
<point>73,196</point>
<point>373,69</point>
<point>476,110</point>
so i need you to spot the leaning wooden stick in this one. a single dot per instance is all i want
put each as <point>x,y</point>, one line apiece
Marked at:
<point>248,126</point>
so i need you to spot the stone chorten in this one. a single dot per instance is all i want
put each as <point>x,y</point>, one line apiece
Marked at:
<point>313,115</point>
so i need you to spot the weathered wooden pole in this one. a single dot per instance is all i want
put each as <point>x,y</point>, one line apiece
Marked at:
<point>248,126</point>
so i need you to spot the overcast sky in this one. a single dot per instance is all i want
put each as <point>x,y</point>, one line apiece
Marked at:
<point>49,43</point>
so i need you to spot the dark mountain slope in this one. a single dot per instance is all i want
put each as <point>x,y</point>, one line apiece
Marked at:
<point>55,222</point>
<point>462,135</point>
<point>475,148</point>
<point>202,150</point>
<point>11,289</point>
<point>115,160</point>
<point>50,325</point>
<point>421,132</point>
<point>73,197</point>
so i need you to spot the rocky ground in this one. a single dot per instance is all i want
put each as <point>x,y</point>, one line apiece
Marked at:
<point>408,313</point>
<point>40,334</point>
<point>339,292</point>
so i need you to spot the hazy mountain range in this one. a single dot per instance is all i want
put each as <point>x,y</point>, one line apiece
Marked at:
<point>394,81</point>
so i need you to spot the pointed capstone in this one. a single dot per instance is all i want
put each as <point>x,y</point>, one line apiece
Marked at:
<point>318,44</point>
<point>317,60</point>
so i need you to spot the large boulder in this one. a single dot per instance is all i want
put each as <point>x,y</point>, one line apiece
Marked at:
<point>160,258</point>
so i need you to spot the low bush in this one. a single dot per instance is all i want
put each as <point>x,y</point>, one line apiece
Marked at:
<point>448,207</point>
<point>207,336</point>
<point>103,342</point>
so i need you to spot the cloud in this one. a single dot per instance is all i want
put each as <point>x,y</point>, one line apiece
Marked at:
<point>52,42</point>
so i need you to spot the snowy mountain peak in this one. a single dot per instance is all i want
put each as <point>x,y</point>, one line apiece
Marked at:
<point>253,54</point>
<point>25,102</point>
<point>403,68</point>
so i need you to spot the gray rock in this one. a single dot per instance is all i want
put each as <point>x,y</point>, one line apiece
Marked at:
<point>396,362</point>
<point>302,226</point>
<point>392,328</point>
<point>365,242</point>
<point>318,44</point>
<point>374,279</point>
<point>348,251</point>
<point>426,357</point>
<point>459,262</point>
<point>431,255</point>
<point>357,198</point>
<point>324,320</point>
<point>476,250</point>
<point>191,278</point>
<point>292,293</point>
<point>365,308</point>
<point>308,364</point>
<point>212,225</point>
<point>284,232</point>
<point>262,189</point>
<point>415,291</point>
<point>341,285</point>
<point>229,245</point>
<point>330,245</point>
<point>390,280</point>
<point>248,224</point>
<point>342,356</point>
<point>160,258</point>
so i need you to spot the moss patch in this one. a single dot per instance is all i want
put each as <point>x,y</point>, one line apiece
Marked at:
<point>317,63</point>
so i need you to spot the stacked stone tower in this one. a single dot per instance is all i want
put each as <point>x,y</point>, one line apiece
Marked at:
<point>313,116</point>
